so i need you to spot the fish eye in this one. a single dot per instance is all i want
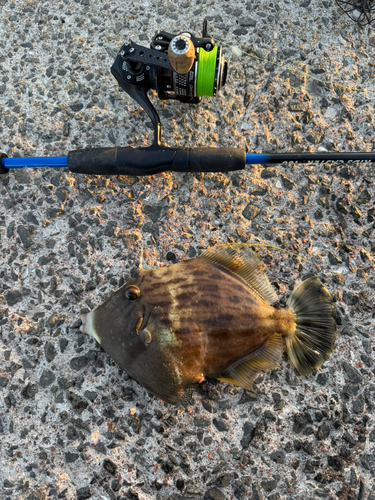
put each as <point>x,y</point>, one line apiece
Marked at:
<point>132,293</point>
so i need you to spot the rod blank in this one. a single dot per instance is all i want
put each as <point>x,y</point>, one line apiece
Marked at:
<point>261,158</point>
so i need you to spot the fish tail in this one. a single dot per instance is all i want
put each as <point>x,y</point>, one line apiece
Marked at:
<point>311,342</point>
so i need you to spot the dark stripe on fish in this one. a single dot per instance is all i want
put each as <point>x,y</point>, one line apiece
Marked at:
<point>201,273</point>
<point>208,288</point>
<point>167,322</point>
<point>235,299</point>
<point>225,317</point>
<point>184,296</point>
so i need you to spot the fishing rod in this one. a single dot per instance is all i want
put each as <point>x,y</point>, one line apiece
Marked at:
<point>181,67</point>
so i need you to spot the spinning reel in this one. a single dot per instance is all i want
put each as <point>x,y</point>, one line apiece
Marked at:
<point>181,67</point>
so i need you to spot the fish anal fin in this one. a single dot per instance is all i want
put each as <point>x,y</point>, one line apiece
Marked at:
<point>244,371</point>
<point>245,263</point>
<point>228,380</point>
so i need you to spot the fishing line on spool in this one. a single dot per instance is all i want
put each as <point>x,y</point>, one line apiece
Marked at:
<point>237,51</point>
<point>206,72</point>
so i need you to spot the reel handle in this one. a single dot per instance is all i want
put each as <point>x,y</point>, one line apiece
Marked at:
<point>154,159</point>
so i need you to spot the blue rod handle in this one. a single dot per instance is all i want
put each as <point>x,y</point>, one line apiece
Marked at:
<point>257,158</point>
<point>52,162</point>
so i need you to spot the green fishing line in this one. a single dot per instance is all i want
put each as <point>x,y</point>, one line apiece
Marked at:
<point>206,72</point>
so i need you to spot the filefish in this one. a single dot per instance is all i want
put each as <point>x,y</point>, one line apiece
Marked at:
<point>211,316</point>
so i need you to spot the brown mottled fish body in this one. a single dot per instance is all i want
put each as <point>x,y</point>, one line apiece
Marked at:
<point>209,316</point>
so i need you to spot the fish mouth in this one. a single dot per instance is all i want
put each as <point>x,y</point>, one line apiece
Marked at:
<point>87,325</point>
<point>85,318</point>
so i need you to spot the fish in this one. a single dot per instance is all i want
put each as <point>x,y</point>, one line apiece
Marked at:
<point>211,316</point>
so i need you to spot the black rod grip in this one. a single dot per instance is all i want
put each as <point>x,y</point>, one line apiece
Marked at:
<point>155,159</point>
<point>3,170</point>
<point>216,159</point>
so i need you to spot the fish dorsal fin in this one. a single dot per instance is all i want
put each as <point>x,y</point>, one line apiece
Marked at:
<point>142,265</point>
<point>244,371</point>
<point>246,264</point>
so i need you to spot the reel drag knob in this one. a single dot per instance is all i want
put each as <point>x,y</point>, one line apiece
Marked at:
<point>181,53</point>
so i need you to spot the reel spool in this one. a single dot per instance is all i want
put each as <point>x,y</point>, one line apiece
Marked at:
<point>181,67</point>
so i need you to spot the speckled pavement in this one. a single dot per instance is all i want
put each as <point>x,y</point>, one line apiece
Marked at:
<point>74,426</point>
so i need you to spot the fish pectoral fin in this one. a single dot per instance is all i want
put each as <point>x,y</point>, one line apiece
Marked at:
<point>267,357</point>
<point>154,321</point>
<point>241,260</point>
